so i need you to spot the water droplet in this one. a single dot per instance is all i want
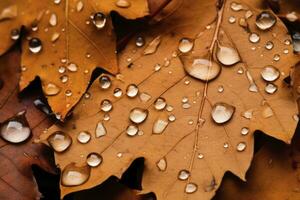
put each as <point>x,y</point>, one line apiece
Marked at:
<point>296,117</point>
<point>186,105</point>
<point>99,20</point>
<point>15,34</point>
<point>79,6</point>
<point>106,105</point>
<point>243,23</point>
<point>244,131</point>
<point>169,108</point>
<point>241,146</point>
<point>240,70</point>
<point>139,42</point>
<point>59,141</point>
<point>152,46</point>
<point>267,111</point>
<point>191,188</point>
<point>285,51</point>
<point>72,67</point>
<point>53,19</point>
<point>157,67</point>
<point>200,156</point>
<point>220,88</point>
<point>269,45</point>
<point>138,115</point>
<point>248,14</point>
<point>145,97</point>
<point>183,175</point>
<point>87,95</point>
<point>159,126</point>
<point>118,92</point>
<point>231,19</point>
<point>16,129</point>
<point>105,82</point>
<point>236,6</point>
<point>94,159</point>
<point>84,137</point>
<point>287,42</point>
<point>270,88</point>
<point>35,45</point>
<point>265,20</point>
<point>132,90</point>
<point>132,130</point>
<point>296,42</point>
<point>34,25</point>
<point>123,3</point>
<point>248,114</point>
<point>64,78</point>
<point>227,55</point>
<point>222,112</point>
<point>292,16</point>
<point>190,122</point>
<point>202,69</point>
<point>172,118</point>
<point>106,117</point>
<point>57,1</point>
<point>100,130</point>
<point>51,89</point>
<point>73,175</point>
<point>162,164</point>
<point>185,45</point>
<point>160,103</point>
<point>276,57</point>
<point>68,93</point>
<point>225,145</point>
<point>55,36</point>
<point>254,38</point>
<point>270,73</point>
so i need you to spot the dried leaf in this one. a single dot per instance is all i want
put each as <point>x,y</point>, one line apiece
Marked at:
<point>78,37</point>
<point>210,123</point>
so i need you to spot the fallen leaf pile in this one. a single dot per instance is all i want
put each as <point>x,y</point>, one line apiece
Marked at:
<point>184,97</point>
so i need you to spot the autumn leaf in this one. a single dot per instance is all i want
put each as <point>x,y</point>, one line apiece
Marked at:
<point>188,102</point>
<point>78,37</point>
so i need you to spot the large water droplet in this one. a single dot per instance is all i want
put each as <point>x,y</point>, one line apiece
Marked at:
<point>16,129</point>
<point>132,130</point>
<point>35,45</point>
<point>100,130</point>
<point>94,159</point>
<point>53,19</point>
<point>132,90</point>
<point>105,82</point>
<point>202,69</point>
<point>254,38</point>
<point>265,20</point>
<point>160,103</point>
<point>99,20</point>
<point>162,164</point>
<point>183,175</point>
<point>227,55</point>
<point>191,188</point>
<point>159,126</point>
<point>185,45</point>
<point>123,3</point>
<point>270,73</point>
<point>73,175</point>
<point>106,105</point>
<point>152,46</point>
<point>59,141</point>
<point>138,115</point>
<point>222,112</point>
<point>84,137</point>
<point>51,89</point>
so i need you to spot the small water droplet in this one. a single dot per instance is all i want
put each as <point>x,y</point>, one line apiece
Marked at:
<point>243,23</point>
<point>169,108</point>
<point>105,82</point>
<point>59,141</point>
<point>296,117</point>
<point>35,45</point>
<point>222,112</point>
<point>269,45</point>
<point>270,88</point>
<point>94,159</point>
<point>183,175</point>
<point>132,130</point>
<point>57,2</point>
<point>51,89</point>
<point>157,67</point>
<point>190,122</point>
<point>248,14</point>
<point>68,93</point>
<point>99,20</point>
<point>55,37</point>
<point>276,57</point>
<point>285,51</point>
<point>79,6</point>
<point>64,78</point>
<point>244,131</point>
<point>118,92</point>
<point>132,90</point>
<point>72,67</point>
<point>227,55</point>
<point>265,20</point>
<point>100,130</point>
<point>240,70</point>
<point>254,38</point>
<point>106,105</point>
<point>236,6</point>
<point>225,145</point>
<point>159,126</point>
<point>84,137</point>
<point>270,73</point>
<point>15,34</point>
<point>202,69</point>
<point>34,25</point>
<point>145,97</point>
<point>248,114</point>
<point>53,19</point>
<point>160,103</point>
<point>87,95</point>
<point>220,88</point>
<point>152,46</point>
<point>162,164</point>
<point>73,175</point>
<point>172,118</point>
<point>138,115</point>
<point>241,146</point>
<point>231,19</point>
<point>139,42</point>
<point>123,3</point>
<point>185,45</point>
<point>200,156</point>
<point>186,105</point>
<point>191,188</point>
<point>287,42</point>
